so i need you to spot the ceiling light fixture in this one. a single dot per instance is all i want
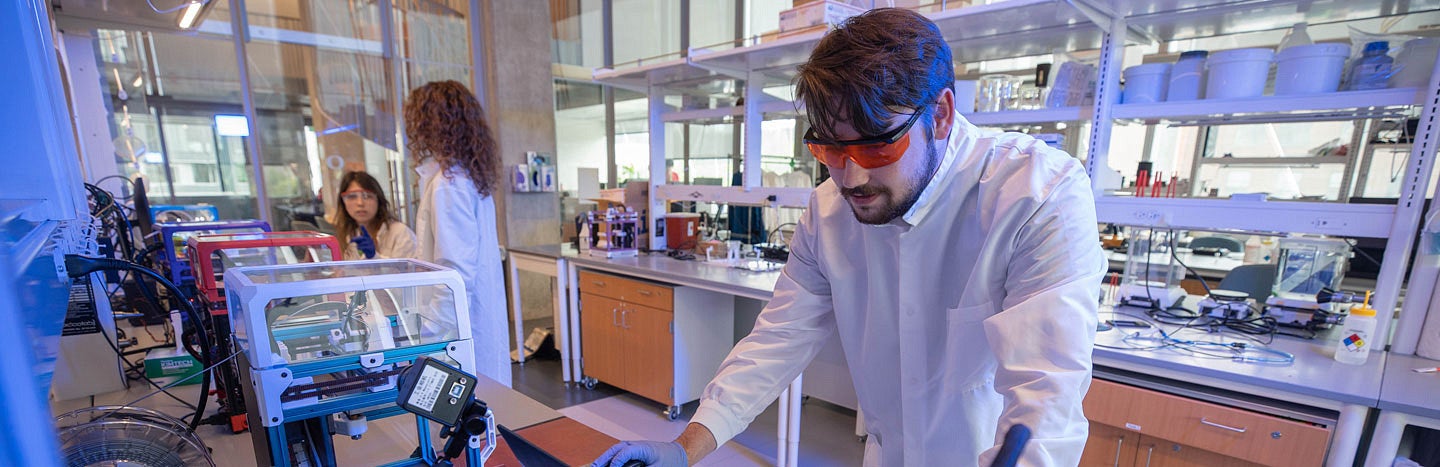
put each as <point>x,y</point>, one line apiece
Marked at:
<point>191,15</point>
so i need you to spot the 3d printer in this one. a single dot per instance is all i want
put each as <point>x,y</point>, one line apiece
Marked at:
<point>320,344</point>
<point>209,257</point>
<point>175,235</point>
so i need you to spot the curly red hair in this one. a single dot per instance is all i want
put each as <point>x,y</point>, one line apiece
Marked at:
<point>444,121</point>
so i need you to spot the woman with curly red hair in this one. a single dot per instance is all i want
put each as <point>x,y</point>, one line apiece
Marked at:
<point>459,165</point>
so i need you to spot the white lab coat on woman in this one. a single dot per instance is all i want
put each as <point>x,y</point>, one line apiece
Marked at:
<point>974,311</point>
<point>456,228</point>
<point>394,240</point>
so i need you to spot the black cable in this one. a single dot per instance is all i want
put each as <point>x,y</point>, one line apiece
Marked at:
<point>1176,256</point>
<point>152,382</point>
<point>78,266</point>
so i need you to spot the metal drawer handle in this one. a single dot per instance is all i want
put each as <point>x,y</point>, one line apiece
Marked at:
<point>614,317</point>
<point>1119,448</point>
<point>1217,425</point>
<point>598,283</point>
<point>623,322</point>
<point>645,293</point>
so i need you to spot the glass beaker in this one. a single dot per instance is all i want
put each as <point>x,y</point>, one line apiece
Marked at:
<point>998,92</point>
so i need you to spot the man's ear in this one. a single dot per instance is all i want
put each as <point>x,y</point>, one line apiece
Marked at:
<point>944,113</point>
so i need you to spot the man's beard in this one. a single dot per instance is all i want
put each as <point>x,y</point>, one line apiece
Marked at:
<point>914,185</point>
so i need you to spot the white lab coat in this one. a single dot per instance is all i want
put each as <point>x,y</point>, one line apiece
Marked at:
<point>457,229</point>
<point>394,240</point>
<point>974,311</point>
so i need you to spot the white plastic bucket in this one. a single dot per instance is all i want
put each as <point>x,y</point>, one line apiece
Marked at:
<point>1310,69</point>
<point>1237,73</point>
<point>1413,65</point>
<point>1146,83</point>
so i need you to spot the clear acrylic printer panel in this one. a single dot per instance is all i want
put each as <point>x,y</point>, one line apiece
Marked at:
<point>306,326</point>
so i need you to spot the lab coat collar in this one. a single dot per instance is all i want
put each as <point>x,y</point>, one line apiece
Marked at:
<point>962,133</point>
<point>428,169</point>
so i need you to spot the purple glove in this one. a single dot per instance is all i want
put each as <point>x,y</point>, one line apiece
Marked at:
<point>649,453</point>
<point>365,243</point>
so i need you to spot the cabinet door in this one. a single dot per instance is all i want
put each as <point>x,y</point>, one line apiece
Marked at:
<point>1109,447</point>
<point>1156,452</point>
<point>649,352</point>
<point>600,339</point>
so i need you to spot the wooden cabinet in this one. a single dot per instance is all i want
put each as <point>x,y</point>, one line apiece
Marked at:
<point>1179,431</point>
<point>1156,452</point>
<point>1109,447</point>
<point>658,341</point>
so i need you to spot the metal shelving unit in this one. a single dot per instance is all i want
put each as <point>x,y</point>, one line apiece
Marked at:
<point>1020,117</point>
<point>1022,28</point>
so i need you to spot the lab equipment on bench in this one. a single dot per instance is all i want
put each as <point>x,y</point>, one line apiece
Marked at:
<point>1318,313</point>
<point>171,213</point>
<point>1150,295</point>
<point>431,389</point>
<point>210,256</point>
<point>175,235</point>
<point>124,435</point>
<point>1227,304</point>
<point>1309,265</point>
<point>319,345</point>
<point>613,233</point>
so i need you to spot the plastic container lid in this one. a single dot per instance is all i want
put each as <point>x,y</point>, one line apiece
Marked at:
<point>1147,69</point>
<point>1377,46</point>
<point>1314,50</point>
<point>1194,54</point>
<point>1241,55</point>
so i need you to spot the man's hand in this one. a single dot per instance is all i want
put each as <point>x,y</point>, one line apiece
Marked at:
<point>694,444</point>
<point>364,243</point>
<point>645,453</point>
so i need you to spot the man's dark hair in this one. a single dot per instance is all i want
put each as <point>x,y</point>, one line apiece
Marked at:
<point>871,63</point>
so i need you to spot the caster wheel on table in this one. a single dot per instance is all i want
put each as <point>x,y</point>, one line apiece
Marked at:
<point>588,382</point>
<point>672,413</point>
<point>862,438</point>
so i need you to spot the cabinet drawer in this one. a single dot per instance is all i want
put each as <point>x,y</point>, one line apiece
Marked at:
<point>1246,435</point>
<point>629,290</point>
<point>1106,403</point>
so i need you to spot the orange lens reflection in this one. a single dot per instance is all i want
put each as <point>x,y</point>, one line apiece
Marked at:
<point>869,156</point>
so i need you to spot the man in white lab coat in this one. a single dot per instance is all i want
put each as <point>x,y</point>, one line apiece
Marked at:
<point>959,269</point>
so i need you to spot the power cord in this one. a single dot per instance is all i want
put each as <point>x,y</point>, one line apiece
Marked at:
<point>79,266</point>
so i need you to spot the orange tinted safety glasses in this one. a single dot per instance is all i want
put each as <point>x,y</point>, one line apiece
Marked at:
<point>870,153</point>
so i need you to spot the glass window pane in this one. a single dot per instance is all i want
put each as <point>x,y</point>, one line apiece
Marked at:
<point>579,132</point>
<point>326,101</point>
<point>174,86</point>
<point>578,38</point>
<point>646,29</point>
<point>712,23</point>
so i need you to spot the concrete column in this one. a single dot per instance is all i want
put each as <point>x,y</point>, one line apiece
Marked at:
<point>520,106</point>
<point>521,111</point>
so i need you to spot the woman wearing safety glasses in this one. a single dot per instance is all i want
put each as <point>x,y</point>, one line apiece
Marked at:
<point>956,267</point>
<point>364,223</point>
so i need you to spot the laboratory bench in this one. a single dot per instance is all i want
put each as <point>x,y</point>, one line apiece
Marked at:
<point>1407,397</point>
<point>1226,412</point>
<point>1168,402</point>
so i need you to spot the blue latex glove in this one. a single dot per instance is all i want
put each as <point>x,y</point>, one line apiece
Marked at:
<point>365,243</point>
<point>650,453</point>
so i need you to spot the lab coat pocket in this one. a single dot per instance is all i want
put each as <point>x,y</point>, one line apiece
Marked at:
<point>970,313</point>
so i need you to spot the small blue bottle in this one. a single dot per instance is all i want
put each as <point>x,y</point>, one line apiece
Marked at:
<point>1373,69</point>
